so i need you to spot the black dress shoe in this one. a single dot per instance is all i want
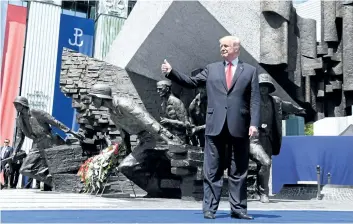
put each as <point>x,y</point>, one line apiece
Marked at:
<point>208,215</point>
<point>240,215</point>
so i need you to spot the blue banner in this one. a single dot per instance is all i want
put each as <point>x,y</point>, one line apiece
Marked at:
<point>301,154</point>
<point>76,34</point>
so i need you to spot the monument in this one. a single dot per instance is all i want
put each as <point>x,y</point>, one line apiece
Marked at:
<point>172,170</point>
<point>36,125</point>
<point>315,76</point>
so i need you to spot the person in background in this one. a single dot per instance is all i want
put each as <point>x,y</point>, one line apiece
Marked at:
<point>5,152</point>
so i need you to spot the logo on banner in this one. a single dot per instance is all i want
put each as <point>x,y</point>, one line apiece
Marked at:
<point>78,33</point>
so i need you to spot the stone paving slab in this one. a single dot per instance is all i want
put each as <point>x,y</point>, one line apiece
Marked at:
<point>21,199</point>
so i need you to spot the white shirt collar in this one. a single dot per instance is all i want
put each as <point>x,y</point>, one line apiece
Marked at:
<point>234,62</point>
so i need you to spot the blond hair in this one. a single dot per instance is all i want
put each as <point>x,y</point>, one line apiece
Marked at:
<point>234,39</point>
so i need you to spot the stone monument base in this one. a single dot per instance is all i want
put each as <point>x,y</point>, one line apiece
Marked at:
<point>64,162</point>
<point>67,183</point>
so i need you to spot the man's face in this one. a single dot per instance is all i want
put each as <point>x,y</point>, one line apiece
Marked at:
<point>264,90</point>
<point>6,142</point>
<point>97,102</point>
<point>229,49</point>
<point>162,90</point>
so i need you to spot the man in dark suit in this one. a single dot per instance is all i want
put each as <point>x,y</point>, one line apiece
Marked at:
<point>233,109</point>
<point>5,152</point>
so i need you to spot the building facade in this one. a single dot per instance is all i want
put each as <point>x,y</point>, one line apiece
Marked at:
<point>36,60</point>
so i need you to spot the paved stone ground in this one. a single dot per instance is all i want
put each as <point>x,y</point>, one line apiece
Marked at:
<point>30,199</point>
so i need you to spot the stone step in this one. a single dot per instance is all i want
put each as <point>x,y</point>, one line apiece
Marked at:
<point>116,195</point>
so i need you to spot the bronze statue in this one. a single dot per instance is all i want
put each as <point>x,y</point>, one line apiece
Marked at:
<point>270,133</point>
<point>175,117</point>
<point>36,125</point>
<point>197,112</point>
<point>143,164</point>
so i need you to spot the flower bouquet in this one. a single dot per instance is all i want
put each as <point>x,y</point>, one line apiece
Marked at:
<point>95,170</point>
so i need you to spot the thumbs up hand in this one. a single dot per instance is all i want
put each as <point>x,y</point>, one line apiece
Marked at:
<point>166,67</point>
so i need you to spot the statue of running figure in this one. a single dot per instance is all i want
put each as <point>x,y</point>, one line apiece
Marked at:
<point>135,120</point>
<point>36,125</point>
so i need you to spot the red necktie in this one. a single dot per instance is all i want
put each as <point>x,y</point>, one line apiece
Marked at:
<point>229,75</point>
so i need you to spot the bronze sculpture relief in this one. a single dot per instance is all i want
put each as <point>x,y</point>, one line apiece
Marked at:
<point>197,111</point>
<point>36,125</point>
<point>270,133</point>
<point>144,165</point>
<point>174,115</point>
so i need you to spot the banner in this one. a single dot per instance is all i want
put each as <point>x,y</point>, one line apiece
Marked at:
<point>14,39</point>
<point>76,34</point>
<point>3,14</point>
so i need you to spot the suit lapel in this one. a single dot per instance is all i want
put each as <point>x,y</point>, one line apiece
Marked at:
<point>222,73</point>
<point>238,72</point>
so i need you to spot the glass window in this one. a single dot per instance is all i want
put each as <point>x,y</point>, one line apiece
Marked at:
<point>68,12</point>
<point>81,9</point>
<point>81,14</point>
<point>130,6</point>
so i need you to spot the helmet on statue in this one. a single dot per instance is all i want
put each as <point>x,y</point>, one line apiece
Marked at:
<point>21,100</point>
<point>265,79</point>
<point>101,91</point>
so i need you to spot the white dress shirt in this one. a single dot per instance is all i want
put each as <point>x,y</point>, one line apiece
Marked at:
<point>234,66</point>
<point>3,152</point>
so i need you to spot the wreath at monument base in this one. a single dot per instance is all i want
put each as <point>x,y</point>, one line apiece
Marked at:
<point>94,171</point>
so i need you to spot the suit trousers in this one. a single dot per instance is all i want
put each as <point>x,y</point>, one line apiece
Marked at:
<point>7,176</point>
<point>221,152</point>
<point>15,174</point>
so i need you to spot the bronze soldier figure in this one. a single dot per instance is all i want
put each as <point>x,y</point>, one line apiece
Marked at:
<point>270,132</point>
<point>197,111</point>
<point>175,117</point>
<point>36,125</point>
<point>143,164</point>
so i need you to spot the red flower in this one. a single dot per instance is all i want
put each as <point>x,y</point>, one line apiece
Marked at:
<point>116,149</point>
<point>84,168</point>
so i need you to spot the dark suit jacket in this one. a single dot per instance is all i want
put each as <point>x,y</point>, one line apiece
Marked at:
<point>240,105</point>
<point>7,155</point>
